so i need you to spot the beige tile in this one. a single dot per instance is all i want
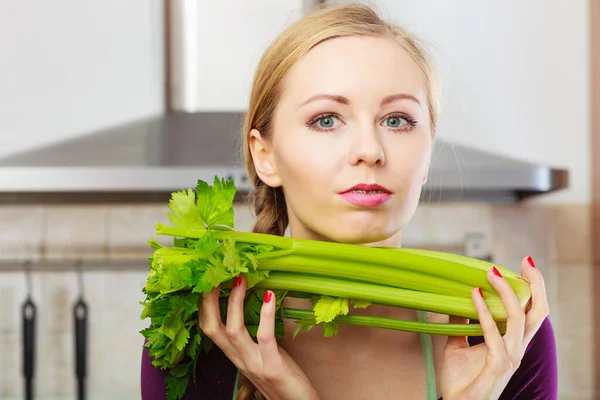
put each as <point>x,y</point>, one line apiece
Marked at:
<point>130,228</point>
<point>449,224</point>
<point>574,327</point>
<point>55,372</point>
<point>570,240</point>
<point>58,293</point>
<point>575,298</point>
<point>244,217</point>
<point>12,294</point>
<point>11,376</point>
<point>575,365</point>
<point>122,366</point>
<point>520,231</point>
<point>76,232</point>
<point>20,232</point>
<point>121,302</point>
<point>98,349</point>
<point>416,232</point>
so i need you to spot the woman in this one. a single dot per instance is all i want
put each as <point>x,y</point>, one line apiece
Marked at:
<point>338,141</point>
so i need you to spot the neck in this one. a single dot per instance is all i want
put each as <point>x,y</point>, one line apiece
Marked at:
<point>303,232</point>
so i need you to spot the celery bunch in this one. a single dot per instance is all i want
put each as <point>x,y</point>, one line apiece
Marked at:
<point>207,252</point>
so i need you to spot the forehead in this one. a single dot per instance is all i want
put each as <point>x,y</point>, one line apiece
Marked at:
<point>356,66</point>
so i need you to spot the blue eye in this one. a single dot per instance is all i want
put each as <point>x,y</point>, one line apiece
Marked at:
<point>324,123</point>
<point>395,122</point>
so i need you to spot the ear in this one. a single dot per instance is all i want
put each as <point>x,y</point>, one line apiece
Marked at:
<point>426,173</point>
<point>263,158</point>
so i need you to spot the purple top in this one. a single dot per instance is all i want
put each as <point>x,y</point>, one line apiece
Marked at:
<point>536,378</point>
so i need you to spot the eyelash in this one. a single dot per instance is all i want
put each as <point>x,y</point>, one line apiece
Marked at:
<point>410,122</point>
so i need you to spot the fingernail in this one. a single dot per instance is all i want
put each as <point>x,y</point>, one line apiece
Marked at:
<point>496,272</point>
<point>237,281</point>
<point>480,292</point>
<point>530,261</point>
<point>268,295</point>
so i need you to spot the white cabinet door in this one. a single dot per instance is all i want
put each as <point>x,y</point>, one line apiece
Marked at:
<point>225,40</point>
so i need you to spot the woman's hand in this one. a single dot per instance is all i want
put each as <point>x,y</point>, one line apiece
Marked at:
<point>483,371</point>
<point>269,367</point>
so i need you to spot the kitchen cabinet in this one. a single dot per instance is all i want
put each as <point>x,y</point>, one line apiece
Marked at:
<point>514,78</point>
<point>230,38</point>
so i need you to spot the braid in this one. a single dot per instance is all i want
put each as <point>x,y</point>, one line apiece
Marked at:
<point>272,218</point>
<point>270,210</point>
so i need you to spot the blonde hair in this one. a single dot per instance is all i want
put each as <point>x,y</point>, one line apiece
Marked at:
<point>294,43</point>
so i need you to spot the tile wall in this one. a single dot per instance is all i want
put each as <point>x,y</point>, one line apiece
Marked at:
<point>557,236</point>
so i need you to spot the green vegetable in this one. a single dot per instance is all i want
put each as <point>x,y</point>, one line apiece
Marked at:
<point>207,253</point>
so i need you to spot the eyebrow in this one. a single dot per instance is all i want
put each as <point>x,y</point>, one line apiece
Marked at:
<point>336,98</point>
<point>399,96</point>
<point>344,100</point>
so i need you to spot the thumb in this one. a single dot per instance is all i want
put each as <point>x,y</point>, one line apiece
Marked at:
<point>457,342</point>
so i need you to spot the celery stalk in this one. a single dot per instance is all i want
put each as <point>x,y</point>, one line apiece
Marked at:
<point>385,295</point>
<point>400,325</point>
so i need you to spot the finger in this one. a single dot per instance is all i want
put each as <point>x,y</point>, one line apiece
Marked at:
<point>209,316</point>
<point>266,332</point>
<point>491,334</point>
<point>515,322</point>
<point>210,323</point>
<point>235,328</point>
<point>539,303</point>
<point>457,342</point>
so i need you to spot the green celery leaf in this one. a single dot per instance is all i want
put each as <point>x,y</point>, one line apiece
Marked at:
<point>186,303</point>
<point>185,213</point>
<point>193,345</point>
<point>255,277</point>
<point>221,210</point>
<point>204,195</point>
<point>253,261</point>
<point>304,324</point>
<point>207,246</point>
<point>263,248</point>
<point>252,330</point>
<point>172,325</point>
<point>215,275</point>
<point>279,328</point>
<point>176,386</point>
<point>252,307</point>
<point>206,344</point>
<point>176,355</point>
<point>202,287</point>
<point>185,243</point>
<point>330,329</point>
<point>231,257</point>
<point>181,370</point>
<point>181,339</point>
<point>327,308</point>
<point>361,303</point>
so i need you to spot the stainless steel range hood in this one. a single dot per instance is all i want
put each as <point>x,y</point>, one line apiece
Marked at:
<point>147,160</point>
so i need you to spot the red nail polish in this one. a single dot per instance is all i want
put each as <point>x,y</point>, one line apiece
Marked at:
<point>496,272</point>
<point>237,281</point>
<point>268,296</point>
<point>530,261</point>
<point>480,292</point>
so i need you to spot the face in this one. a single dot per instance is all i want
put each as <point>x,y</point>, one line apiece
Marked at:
<point>353,115</point>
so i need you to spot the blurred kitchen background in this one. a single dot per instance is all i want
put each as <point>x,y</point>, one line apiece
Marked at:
<point>108,106</point>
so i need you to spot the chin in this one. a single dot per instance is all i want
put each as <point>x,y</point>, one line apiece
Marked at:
<point>359,236</point>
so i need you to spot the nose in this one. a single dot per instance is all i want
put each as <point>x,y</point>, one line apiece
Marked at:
<point>367,148</point>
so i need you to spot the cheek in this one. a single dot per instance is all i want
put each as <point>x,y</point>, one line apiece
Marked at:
<point>303,166</point>
<point>411,162</point>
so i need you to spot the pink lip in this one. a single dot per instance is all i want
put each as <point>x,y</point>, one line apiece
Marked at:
<point>367,199</point>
